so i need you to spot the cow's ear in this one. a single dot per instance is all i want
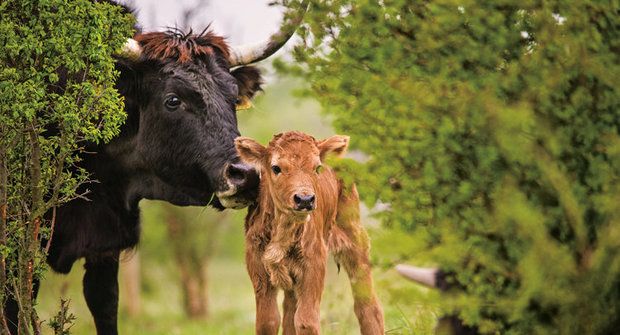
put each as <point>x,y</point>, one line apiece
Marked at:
<point>250,151</point>
<point>129,86</point>
<point>336,144</point>
<point>126,83</point>
<point>249,82</point>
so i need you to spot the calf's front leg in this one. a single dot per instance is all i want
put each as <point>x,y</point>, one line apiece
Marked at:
<point>289,307</point>
<point>307,317</point>
<point>267,315</point>
<point>101,291</point>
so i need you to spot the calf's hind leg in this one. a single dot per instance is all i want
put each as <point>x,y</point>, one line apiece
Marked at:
<point>350,246</point>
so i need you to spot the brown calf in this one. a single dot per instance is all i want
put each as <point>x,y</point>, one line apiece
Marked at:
<point>304,210</point>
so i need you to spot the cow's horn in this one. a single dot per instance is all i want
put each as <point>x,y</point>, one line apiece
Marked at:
<point>252,53</point>
<point>424,276</point>
<point>131,49</point>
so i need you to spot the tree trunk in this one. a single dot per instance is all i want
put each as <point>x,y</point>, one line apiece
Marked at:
<point>192,252</point>
<point>3,221</point>
<point>130,282</point>
<point>195,295</point>
<point>30,245</point>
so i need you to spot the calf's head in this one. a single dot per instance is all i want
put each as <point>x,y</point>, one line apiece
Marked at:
<point>290,167</point>
<point>181,96</point>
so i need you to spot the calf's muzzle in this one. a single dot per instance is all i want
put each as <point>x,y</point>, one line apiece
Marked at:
<point>304,202</point>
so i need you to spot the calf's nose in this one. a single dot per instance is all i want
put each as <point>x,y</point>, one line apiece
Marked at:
<point>242,176</point>
<point>304,202</point>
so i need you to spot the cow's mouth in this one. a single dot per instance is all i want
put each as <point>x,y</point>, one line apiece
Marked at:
<point>230,199</point>
<point>240,186</point>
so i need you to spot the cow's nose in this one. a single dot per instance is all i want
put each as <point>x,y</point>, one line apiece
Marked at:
<point>304,202</point>
<point>242,176</point>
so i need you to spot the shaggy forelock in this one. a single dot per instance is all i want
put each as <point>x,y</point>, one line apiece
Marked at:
<point>181,47</point>
<point>287,142</point>
<point>294,145</point>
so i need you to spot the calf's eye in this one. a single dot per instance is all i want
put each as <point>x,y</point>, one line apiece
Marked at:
<point>172,102</point>
<point>276,169</point>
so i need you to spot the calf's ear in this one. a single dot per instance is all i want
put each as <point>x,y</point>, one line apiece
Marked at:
<point>336,144</point>
<point>250,151</point>
<point>249,82</point>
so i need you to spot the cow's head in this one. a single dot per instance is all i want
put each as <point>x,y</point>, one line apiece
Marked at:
<point>181,92</point>
<point>290,166</point>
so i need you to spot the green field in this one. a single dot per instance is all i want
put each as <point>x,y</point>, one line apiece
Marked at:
<point>231,305</point>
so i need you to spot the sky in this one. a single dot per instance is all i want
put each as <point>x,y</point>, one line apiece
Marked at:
<point>241,21</point>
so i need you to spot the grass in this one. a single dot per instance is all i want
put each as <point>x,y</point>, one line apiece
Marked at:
<point>231,304</point>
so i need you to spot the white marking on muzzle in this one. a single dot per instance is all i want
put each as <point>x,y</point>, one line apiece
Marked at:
<point>227,198</point>
<point>232,190</point>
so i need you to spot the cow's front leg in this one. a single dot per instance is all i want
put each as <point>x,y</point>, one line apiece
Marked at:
<point>101,291</point>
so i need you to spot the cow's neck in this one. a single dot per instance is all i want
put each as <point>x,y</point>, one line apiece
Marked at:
<point>99,221</point>
<point>110,179</point>
<point>142,183</point>
<point>120,183</point>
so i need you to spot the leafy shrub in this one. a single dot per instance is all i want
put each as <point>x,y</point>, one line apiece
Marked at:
<point>56,96</point>
<point>492,131</point>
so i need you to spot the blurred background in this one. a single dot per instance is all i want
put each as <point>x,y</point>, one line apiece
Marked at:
<point>188,276</point>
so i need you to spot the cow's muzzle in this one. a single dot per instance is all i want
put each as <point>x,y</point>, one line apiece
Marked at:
<point>242,181</point>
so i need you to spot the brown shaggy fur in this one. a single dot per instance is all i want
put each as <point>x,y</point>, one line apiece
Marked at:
<point>287,248</point>
<point>182,47</point>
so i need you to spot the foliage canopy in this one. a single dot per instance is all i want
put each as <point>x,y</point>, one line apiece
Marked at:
<point>492,131</point>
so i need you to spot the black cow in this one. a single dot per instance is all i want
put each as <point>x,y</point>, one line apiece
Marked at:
<point>177,145</point>
<point>436,278</point>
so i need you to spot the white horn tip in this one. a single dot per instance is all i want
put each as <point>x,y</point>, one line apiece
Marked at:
<point>424,276</point>
<point>131,49</point>
<point>247,54</point>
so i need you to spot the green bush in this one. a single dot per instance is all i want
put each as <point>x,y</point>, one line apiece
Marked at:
<point>56,96</point>
<point>492,132</point>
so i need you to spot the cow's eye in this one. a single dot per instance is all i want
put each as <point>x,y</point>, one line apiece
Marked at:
<point>172,102</point>
<point>319,169</point>
<point>276,169</point>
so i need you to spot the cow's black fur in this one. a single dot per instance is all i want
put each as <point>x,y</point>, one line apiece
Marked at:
<point>172,154</point>
<point>451,324</point>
